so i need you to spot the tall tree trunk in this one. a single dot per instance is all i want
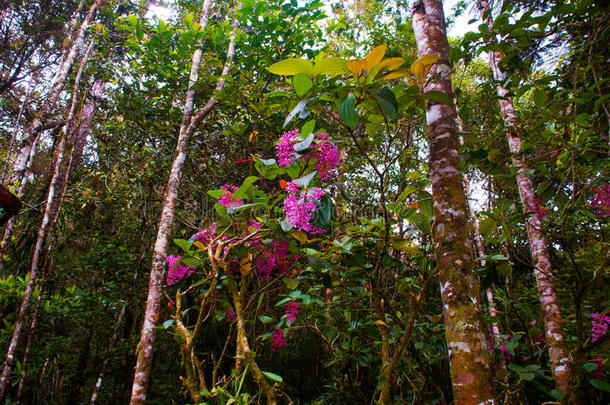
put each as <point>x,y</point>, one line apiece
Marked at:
<point>59,82</point>
<point>28,345</point>
<point>464,327</point>
<point>50,214</point>
<point>558,351</point>
<point>189,124</point>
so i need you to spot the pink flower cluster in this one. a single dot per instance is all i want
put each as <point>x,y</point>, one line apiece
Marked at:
<point>230,314</point>
<point>227,199</point>
<point>599,372</point>
<point>600,325</point>
<point>208,235</point>
<point>601,201</point>
<point>278,339</point>
<point>277,257</point>
<point>177,273</point>
<point>292,310</point>
<point>325,152</point>
<point>328,157</point>
<point>285,147</point>
<point>300,206</point>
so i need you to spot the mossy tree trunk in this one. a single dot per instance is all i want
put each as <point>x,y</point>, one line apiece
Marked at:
<point>464,327</point>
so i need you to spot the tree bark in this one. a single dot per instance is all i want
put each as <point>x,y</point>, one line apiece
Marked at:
<point>51,208</point>
<point>28,345</point>
<point>558,351</point>
<point>189,124</point>
<point>464,327</point>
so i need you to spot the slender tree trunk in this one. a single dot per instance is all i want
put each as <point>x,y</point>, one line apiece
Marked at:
<point>188,126</point>
<point>52,205</point>
<point>464,327</point>
<point>28,345</point>
<point>558,351</point>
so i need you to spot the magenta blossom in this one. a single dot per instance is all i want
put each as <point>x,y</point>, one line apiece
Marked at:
<point>177,273</point>
<point>292,310</point>
<point>328,157</point>
<point>230,314</point>
<point>299,207</point>
<point>227,199</point>
<point>285,147</point>
<point>278,339</point>
<point>601,201</point>
<point>599,325</point>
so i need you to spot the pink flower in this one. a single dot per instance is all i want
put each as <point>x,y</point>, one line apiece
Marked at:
<point>283,260</point>
<point>206,235</point>
<point>264,265</point>
<point>600,325</point>
<point>292,310</point>
<point>278,339</point>
<point>601,201</point>
<point>328,157</point>
<point>177,273</point>
<point>230,314</point>
<point>227,199</point>
<point>285,147</point>
<point>300,206</point>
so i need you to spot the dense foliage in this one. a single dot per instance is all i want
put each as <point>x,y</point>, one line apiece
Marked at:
<point>303,267</point>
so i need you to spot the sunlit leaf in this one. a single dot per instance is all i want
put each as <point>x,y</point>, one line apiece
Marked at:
<point>330,66</point>
<point>374,57</point>
<point>292,67</point>
<point>302,84</point>
<point>421,67</point>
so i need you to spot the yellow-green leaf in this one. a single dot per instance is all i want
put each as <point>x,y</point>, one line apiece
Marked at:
<point>300,236</point>
<point>421,67</point>
<point>330,66</point>
<point>292,67</point>
<point>391,63</point>
<point>356,66</point>
<point>301,83</point>
<point>374,57</point>
<point>395,74</point>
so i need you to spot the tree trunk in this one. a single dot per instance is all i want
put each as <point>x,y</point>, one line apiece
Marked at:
<point>52,205</point>
<point>558,351</point>
<point>187,128</point>
<point>28,345</point>
<point>464,328</point>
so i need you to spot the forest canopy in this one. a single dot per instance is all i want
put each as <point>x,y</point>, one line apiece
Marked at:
<point>304,202</point>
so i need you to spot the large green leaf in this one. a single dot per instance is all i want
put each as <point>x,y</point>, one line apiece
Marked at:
<point>438,96</point>
<point>330,66</point>
<point>348,111</point>
<point>302,84</point>
<point>292,66</point>
<point>387,102</point>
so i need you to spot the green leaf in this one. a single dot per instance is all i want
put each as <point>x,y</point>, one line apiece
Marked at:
<point>387,102</point>
<point>599,384</point>
<point>183,244</point>
<point>291,283</point>
<point>168,323</point>
<point>589,367</point>
<point>330,66</point>
<point>308,127</point>
<point>265,319</point>
<point>437,96</point>
<point>302,84</point>
<point>292,66</point>
<point>348,113</point>
<point>272,376</point>
<point>216,194</point>
<point>406,192</point>
<point>243,189</point>
<point>286,226</point>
